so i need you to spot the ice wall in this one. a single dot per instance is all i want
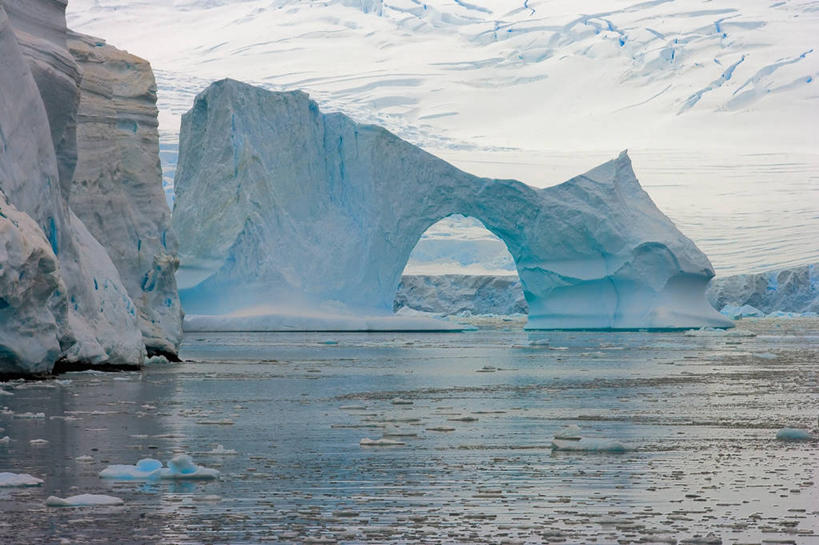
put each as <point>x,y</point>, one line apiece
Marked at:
<point>787,290</point>
<point>449,294</point>
<point>62,300</point>
<point>117,184</point>
<point>280,205</point>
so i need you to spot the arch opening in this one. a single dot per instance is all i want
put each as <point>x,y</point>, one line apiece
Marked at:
<point>459,267</point>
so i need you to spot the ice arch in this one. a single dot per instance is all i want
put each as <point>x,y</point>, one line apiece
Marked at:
<point>279,206</point>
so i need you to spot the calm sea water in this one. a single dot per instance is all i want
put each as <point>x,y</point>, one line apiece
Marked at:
<point>698,414</point>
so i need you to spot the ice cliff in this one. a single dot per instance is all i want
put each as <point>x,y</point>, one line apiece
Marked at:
<point>449,294</point>
<point>64,300</point>
<point>792,290</point>
<point>279,206</point>
<point>117,184</point>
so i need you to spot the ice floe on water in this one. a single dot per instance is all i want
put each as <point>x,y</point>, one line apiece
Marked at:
<point>367,442</point>
<point>793,434</point>
<point>179,467</point>
<point>714,332</point>
<point>219,450</point>
<point>84,500</point>
<point>18,479</point>
<point>571,438</point>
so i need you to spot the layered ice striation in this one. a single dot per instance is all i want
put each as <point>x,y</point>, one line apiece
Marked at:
<point>281,208</point>
<point>63,298</point>
<point>117,184</point>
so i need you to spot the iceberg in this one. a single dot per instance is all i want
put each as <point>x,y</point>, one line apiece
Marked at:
<point>793,290</point>
<point>18,479</point>
<point>180,467</point>
<point>279,205</point>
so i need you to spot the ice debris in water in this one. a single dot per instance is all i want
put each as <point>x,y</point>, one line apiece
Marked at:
<point>569,432</point>
<point>713,332</point>
<point>793,434</point>
<point>179,467</point>
<point>18,479</point>
<point>220,450</point>
<point>366,442</point>
<point>83,500</point>
<point>5,440</point>
<point>570,438</point>
<point>157,360</point>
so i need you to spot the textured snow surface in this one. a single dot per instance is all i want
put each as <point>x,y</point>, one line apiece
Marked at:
<point>281,205</point>
<point>716,102</point>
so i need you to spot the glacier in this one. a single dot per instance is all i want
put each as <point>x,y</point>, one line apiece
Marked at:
<point>281,208</point>
<point>63,297</point>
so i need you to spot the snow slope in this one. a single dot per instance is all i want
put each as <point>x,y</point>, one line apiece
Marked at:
<point>715,101</point>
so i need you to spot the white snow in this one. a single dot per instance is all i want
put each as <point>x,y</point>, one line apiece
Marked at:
<point>180,467</point>
<point>83,500</point>
<point>18,479</point>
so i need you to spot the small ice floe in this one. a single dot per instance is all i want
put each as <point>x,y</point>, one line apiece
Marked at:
<point>713,332</point>
<point>18,479</point>
<point>84,459</point>
<point>539,342</point>
<point>487,369</point>
<point>179,467</point>
<point>367,442</point>
<point>5,440</point>
<point>157,360</point>
<point>219,450</point>
<point>29,415</point>
<point>353,408</point>
<point>38,442</point>
<point>764,355</point>
<point>222,422</point>
<point>441,428</point>
<point>83,500</point>
<point>588,444</point>
<point>572,433</point>
<point>5,393</point>
<point>570,438</point>
<point>793,434</point>
<point>463,419</point>
<point>329,342</point>
<point>401,401</point>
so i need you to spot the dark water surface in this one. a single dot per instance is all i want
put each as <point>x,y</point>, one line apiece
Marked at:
<point>698,413</point>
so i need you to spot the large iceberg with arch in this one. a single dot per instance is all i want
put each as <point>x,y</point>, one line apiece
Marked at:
<point>290,218</point>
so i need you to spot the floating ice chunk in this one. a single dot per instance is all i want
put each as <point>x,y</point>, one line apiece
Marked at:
<point>793,434</point>
<point>587,444</point>
<point>401,401</point>
<point>487,369</point>
<point>83,500</point>
<point>222,451</point>
<point>18,479</point>
<point>5,393</point>
<point>84,459</point>
<point>765,355</point>
<point>569,432</point>
<point>30,415</point>
<point>180,467</point>
<point>38,442</point>
<point>5,440</point>
<point>366,442</point>
<point>157,360</point>
<point>539,342</point>
<point>441,428</point>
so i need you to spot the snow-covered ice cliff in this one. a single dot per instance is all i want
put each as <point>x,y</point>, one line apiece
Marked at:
<point>65,302</point>
<point>280,206</point>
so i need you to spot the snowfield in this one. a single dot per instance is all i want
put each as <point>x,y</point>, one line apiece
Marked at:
<point>716,102</point>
